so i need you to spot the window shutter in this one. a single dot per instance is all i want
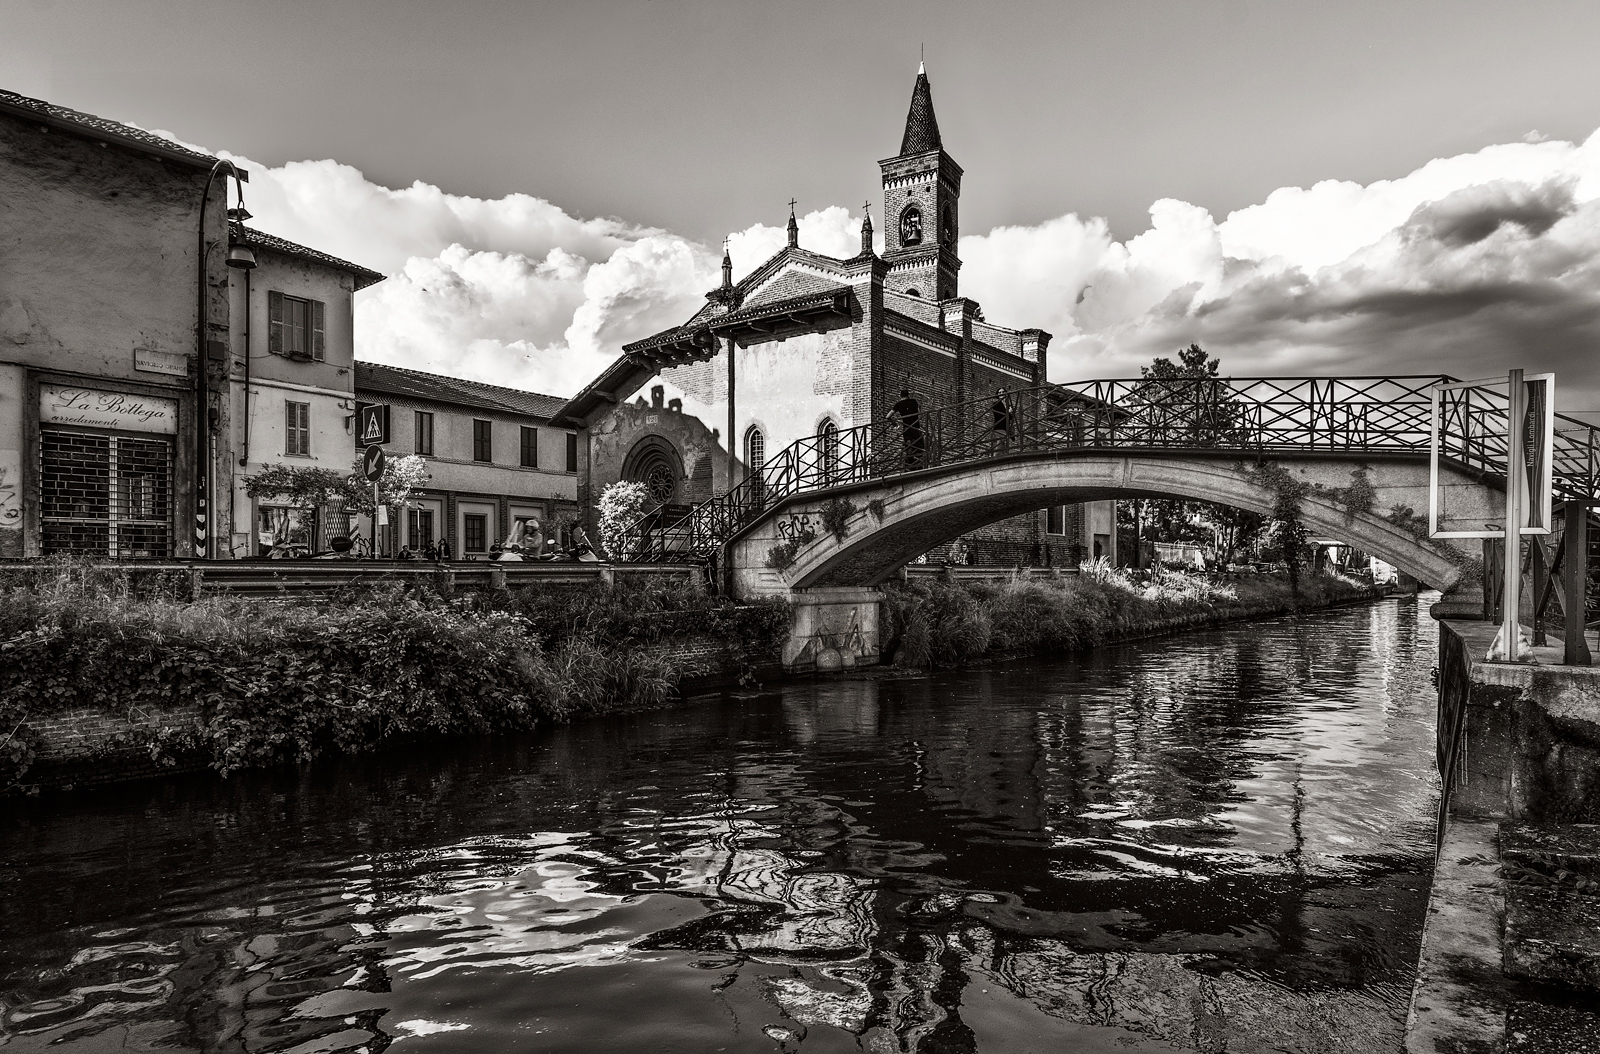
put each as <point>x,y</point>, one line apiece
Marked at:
<point>275,322</point>
<point>318,349</point>
<point>291,431</point>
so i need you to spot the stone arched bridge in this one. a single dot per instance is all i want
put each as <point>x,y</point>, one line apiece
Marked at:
<point>833,516</point>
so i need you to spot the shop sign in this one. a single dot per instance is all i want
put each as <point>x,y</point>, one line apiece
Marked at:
<point>148,360</point>
<point>61,404</point>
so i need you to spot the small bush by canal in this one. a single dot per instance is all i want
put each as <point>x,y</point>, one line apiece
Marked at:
<point>947,623</point>
<point>240,683</point>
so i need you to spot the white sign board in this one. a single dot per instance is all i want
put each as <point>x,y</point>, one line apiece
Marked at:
<point>61,404</point>
<point>147,360</point>
<point>1469,423</point>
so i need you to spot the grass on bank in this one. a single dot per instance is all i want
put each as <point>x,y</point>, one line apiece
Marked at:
<point>941,623</point>
<point>273,681</point>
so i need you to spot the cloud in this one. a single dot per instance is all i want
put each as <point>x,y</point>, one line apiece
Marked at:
<point>1471,265</point>
<point>1468,265</point>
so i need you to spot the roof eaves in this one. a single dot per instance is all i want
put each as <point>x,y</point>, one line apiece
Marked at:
<point>250,236</point>
<point>106,130</point>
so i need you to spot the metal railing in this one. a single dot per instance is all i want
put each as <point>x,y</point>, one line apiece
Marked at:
<point>1254,416</point>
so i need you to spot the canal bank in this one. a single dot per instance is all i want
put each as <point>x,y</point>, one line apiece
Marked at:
<point>1510,956</point>
<point>1216,841</point>
<point>665,643</point>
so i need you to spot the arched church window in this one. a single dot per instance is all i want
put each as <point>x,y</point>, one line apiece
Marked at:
<point>912,292</point>
<point>755,450</point>
<point>829,435</point>
<point>654,463</point>
<point>661,481</point>
<point>911,226</point>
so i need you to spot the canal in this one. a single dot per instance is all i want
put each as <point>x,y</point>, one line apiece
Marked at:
<point>1220,841</point>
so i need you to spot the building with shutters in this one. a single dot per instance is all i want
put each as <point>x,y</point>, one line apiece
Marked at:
<point>101,295</point>
<point>806,344</point>
<point>495,456</point>
<point>293,383</point>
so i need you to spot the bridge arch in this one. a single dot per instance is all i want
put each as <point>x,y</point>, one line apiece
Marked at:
<point>898,518</point>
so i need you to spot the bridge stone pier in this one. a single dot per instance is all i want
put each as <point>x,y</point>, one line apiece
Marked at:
<point>832,580</point>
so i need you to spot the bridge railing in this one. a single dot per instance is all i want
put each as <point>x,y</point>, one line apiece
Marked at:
<point>1253,416</point>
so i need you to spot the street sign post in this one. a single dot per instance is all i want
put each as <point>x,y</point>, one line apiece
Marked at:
<point>373,462</point>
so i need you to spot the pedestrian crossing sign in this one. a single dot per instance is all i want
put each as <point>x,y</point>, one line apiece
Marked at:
<point>372,424</point>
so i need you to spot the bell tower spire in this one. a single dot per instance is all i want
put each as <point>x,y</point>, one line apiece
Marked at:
<point>921,204</point>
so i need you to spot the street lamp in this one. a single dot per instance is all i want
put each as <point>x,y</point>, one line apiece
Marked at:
<point>202,476</point>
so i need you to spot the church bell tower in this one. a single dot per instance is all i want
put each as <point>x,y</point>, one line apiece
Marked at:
<point>921,206</point>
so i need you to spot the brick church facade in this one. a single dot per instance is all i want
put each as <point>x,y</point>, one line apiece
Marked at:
<point>807,343</point>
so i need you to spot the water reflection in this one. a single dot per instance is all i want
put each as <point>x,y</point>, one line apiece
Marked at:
<point>1218,841</point>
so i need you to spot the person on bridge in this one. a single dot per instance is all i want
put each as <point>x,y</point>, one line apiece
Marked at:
<point>1001,419</point>
<point>913,444</point>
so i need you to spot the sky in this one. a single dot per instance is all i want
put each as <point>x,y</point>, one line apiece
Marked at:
<point>1351,188</point>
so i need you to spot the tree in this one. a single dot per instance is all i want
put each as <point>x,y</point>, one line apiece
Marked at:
<point>1180,403</point>
<point>621,505</point>
<point>1192,364</point>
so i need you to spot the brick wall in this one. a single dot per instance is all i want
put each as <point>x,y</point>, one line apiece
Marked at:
<point>84,746</point>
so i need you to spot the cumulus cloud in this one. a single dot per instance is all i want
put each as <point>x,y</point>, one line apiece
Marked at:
<point>1468,265</point>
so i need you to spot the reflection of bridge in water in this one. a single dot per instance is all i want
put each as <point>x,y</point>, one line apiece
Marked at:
<point>834,515</point>
<point>1168,840</point>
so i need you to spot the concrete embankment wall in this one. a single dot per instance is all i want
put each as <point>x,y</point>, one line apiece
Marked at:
<point>1519,752</point>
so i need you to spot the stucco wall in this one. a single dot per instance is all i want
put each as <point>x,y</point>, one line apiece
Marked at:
<point>260,419</point>
<point>451,463</point>
<point>98,262</point>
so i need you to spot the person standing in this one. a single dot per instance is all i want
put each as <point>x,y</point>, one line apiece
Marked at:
<point>913,444</point>
<point>1000,421</point>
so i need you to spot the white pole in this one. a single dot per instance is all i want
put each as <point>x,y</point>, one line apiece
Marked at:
<point>1516,486</point>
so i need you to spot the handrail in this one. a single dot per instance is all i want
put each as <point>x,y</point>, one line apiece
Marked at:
<point>1256,416</point>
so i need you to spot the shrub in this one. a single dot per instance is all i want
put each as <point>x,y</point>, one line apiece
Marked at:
<point>621,505</point>
<point>271,682</point>
<point>945,623</point>
<point>836,515</point>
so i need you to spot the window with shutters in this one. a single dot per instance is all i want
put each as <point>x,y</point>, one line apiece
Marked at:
<point>481,448</point>
<point>297,429</point>
<point>530,447</point>
<point>295,327</point>
<point>572,451</point>
<point>422,433</point>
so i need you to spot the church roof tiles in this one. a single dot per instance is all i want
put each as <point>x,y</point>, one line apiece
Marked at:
<point>922,127</point>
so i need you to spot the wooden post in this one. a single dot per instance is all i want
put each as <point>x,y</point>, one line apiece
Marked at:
<point>1575,572</point>
<point>1492,550</point>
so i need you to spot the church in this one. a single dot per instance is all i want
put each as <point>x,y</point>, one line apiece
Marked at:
<point>806,344</point>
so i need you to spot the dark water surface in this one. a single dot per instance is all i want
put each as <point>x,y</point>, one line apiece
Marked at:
<point>1220,841</point>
